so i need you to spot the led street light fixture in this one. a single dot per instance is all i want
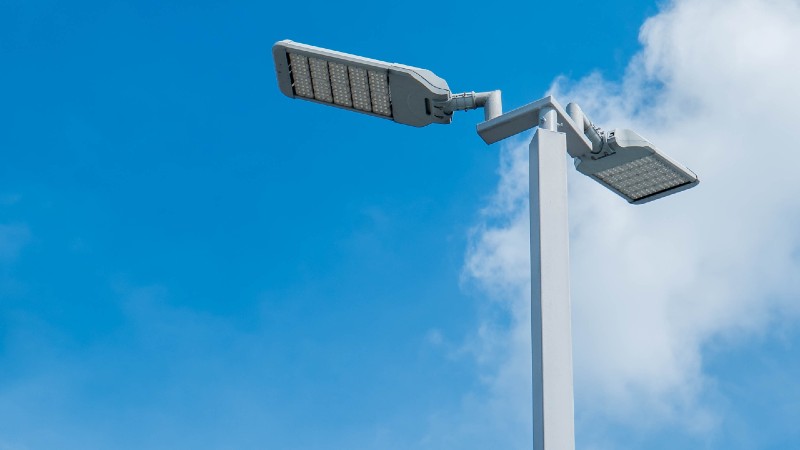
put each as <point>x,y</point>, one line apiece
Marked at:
<point>632,167</point>
<point>405,94</point>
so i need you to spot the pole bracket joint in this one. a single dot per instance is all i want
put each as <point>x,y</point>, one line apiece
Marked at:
<point>491,102</point>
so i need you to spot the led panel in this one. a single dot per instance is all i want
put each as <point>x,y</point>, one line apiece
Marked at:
<point>644,177</point>
<point>340,84</point>
<point>348,86</point>
<point>320,79</point>
<point>301,76</point>
<point>379,93</point>
<point>359,88</point>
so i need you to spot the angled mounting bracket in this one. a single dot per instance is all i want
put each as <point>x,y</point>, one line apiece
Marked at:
<point>527,117</point>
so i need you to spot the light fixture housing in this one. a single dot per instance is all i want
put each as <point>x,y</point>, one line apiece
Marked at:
<point>405,94</point>
<point>635,169</point>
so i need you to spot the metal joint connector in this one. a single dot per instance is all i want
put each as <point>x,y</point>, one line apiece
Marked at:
<point>592,132</point>
<point>490,102</point>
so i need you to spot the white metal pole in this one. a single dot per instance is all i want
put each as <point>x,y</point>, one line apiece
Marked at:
<point>551,330</point>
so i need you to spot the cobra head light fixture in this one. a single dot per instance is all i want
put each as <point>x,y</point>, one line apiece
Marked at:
<point>620,160</point>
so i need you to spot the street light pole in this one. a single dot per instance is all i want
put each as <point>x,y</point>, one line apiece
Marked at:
<point>621,160</point>
<point>551,323</point>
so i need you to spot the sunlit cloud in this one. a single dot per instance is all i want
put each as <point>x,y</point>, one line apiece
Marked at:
<point>714,86</point>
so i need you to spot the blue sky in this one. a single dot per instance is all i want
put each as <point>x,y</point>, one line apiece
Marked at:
<point>189,259</point>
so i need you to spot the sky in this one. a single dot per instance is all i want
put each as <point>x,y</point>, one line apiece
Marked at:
<point>190,259</point>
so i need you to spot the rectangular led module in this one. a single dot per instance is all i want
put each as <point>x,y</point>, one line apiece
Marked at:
<point>644,177</point>
<point>633,168</point>
<point>334,78</point>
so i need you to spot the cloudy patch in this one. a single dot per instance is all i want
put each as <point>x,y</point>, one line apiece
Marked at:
<point>714,86</point>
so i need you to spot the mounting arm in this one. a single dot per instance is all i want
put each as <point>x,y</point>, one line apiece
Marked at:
<point>582,135</point>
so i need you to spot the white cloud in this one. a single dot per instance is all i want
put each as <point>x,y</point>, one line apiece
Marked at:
<point>715,86</point>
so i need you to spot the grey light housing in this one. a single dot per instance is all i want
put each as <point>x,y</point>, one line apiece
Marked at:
<point>635,169</point>
<point>405,94</point>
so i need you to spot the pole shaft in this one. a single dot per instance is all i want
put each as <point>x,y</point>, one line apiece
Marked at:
<point>551,330</point>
